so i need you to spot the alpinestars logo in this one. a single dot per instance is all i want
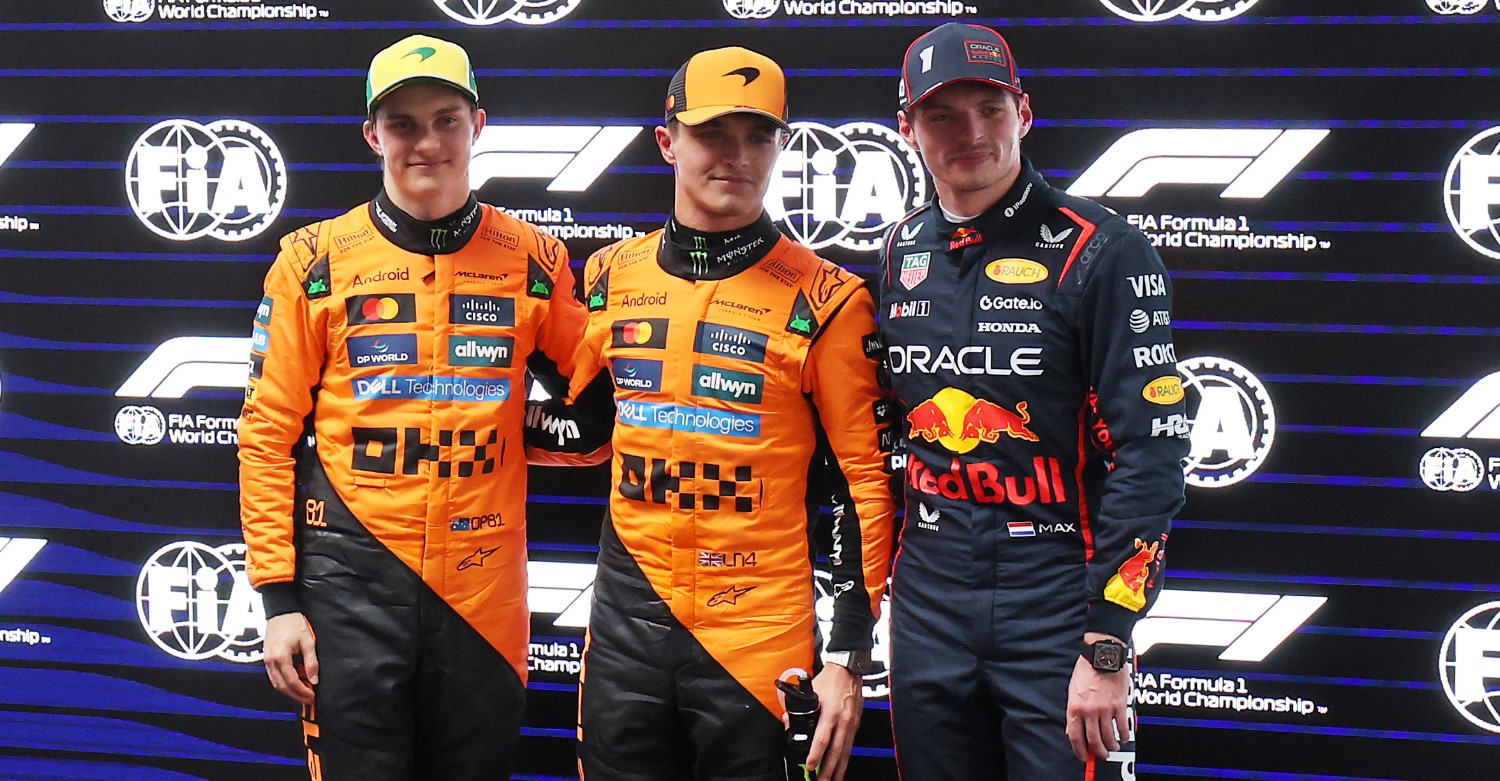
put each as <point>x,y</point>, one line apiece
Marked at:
<point>1469,665</point>
<point>1249,161</point>
<point>226,180</point>
<point>571,156</point>
<point>487,12</point>
<point>1233,422</point>
<point>1247,626</point>
<point>186,362</point>
<point>1472,193</point>
<point>195,602</point>
<point>1162,10</point>
<point>844,185</point>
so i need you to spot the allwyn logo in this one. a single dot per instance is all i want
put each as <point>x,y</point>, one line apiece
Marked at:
<point>726,384</point>
<point>480,350</point>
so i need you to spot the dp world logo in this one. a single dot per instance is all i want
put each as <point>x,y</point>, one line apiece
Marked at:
<point>129,10</point>
<point>1233,424</point>
<point>750,9</point>
<point>196,603</point>
<point>1469,665</point>
<point>1162,10</point>
<point>844,185</point>
<point>1472,192</point>
<point>225,179</point>
<point>485,12</point>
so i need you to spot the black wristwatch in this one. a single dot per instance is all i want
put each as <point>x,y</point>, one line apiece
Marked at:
<point>857,662</point>
<point>1107,656</point>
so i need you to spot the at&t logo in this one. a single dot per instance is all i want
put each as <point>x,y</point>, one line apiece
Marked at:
<point>486,12</point>
<point>226,179</point>
<point>1472,193</point>
<point>129,10</point>
<point>1162,10</point>
<point>1469,665</point>
<point>196,603</point>
<point>844,186</point>
<point>1233,422</point>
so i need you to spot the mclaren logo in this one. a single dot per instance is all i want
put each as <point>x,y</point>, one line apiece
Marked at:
<point>571,156</point>
<point>1249,161</point>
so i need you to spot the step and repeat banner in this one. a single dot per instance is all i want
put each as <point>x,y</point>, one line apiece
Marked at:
<point>1320,176</point>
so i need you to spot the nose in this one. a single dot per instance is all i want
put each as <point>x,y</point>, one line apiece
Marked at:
<point>427,142</point>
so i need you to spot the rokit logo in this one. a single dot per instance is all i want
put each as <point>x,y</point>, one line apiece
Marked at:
<point>226,179</point>
<point>1472,193</point>
<point>1249,161</point>
<point>142,10</point>
<point>1469,665</point>
<point>487,12</point>
<point>1162,10</point>
<point>195,602</point>
<point>844,185</point>
<point>1474,416</point>
<point>765,9</point>
<point>570,156</point>
<point>1233,422</point>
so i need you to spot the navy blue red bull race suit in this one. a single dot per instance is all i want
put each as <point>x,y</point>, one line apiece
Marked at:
<point>1031,352</point>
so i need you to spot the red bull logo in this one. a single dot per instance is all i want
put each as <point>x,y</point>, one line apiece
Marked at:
<point>964,237</point>
<point>981,482</point>
<point>975,421</point>
<point>1127,587</point>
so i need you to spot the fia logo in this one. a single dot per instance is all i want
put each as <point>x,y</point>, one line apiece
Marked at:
<point>487,12</point>
<point>129,10</point>
<point>1249,161</point>
<point>1469,665</point>
<point>1472,193</point>
<point>1449,7</point>
<point>751,9</point>
<point>844,185</point>
<point>1233,422</point>
<point>1162,10</point>
<point>226,180</point>
<point>195,602</point>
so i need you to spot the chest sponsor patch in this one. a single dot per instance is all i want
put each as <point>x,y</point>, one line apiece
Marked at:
<point>729,342</point>
<point>480,350</point>
<point>636,374</point>
<point>1015,271</point>
<point>263,312</point>
<point>433,388</point>
<point>384,350</point>
<point>646,332</point>
<point>914,266</point>
<point>482,310</point>
<point>681,417</point>
<point>717,383</point>
<point>385,308</point>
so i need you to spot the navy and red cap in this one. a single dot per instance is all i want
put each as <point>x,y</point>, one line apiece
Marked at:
<point>956,52</point>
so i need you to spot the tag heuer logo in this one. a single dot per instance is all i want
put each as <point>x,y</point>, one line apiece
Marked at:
<point>914,268</point>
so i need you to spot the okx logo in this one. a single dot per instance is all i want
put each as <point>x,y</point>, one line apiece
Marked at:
<point>195,602</point>
<point>1472,193</point>
<point>226,180</point>
<point>1469,665</point>
<point>844,185</point>
<point>1162,10</point>
<point>1249,161</point>
<point>15,554</point>
<point>487,12</point>
<point>1233,422</point>
<point>571,156</point>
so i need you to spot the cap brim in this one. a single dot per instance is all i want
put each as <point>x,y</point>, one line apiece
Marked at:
<point>934,88</point>
<point>462,89</point>
<point>698,116</point>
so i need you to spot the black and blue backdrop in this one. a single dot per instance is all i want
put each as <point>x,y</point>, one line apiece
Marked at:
<point>1321,179</point>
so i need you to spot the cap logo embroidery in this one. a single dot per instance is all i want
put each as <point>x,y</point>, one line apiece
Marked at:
<point>984,51</point>
<point>747,73</point>
<point>423,51</point>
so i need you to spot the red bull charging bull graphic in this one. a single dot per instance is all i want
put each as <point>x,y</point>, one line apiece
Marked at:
<point>976,421</point>
<point>1127,587</point>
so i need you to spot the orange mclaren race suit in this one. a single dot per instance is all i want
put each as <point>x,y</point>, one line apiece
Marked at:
<point>402,347</point>
<point>733,356</point>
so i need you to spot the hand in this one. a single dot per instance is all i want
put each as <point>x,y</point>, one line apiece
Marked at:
<point>289,636</point>
<point>841,701</point>
<point>1096,708</point>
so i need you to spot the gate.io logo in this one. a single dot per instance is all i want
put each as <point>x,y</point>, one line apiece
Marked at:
<point>225,179</point>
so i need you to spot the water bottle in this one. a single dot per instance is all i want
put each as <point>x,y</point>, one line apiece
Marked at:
<point>802,721</point>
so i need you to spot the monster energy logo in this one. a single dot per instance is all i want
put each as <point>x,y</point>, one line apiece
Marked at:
<point>438,237</point>
<point>700,260</point>
<point>700,242</point>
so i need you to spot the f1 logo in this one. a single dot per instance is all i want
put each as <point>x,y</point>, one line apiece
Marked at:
<point>571,156</point>
<point>15,554</point>
<point>1476,414</point>
<point>561,587</point>
<point>187,362</point>
<point>1250,161</point>
<point>11,136</point>
<point>1247,626</point>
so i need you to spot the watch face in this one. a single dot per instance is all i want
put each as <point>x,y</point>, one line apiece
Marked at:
<point>1109,656</point>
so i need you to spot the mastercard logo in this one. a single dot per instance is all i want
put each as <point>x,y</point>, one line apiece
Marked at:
<point>378,309</point>
<point>637,333</point>
<point>648,332</point>
<point>1015,271</point>
<point>388,308</point>
<point>1163,390</point>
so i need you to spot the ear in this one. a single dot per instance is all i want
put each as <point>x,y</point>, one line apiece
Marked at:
<point>664,145</point>
<point>903,126</point>
<point>479,119</point>
<point>1023,110</point>
<point>371,137</point>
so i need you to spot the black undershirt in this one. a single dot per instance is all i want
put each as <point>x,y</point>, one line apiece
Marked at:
<point>693,254</point>
<point>436,237</point>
